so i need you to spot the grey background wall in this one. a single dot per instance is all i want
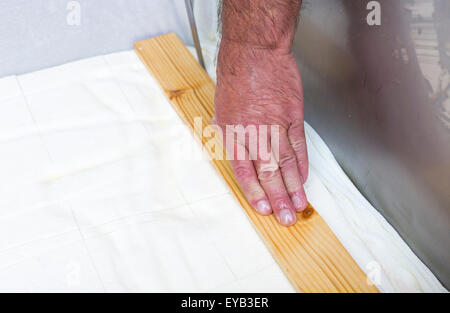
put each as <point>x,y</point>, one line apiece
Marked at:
<point>35,34</point>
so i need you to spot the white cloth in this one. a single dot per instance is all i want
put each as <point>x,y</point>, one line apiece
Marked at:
<point>95,195</point>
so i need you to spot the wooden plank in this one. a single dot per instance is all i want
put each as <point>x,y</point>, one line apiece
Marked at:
<point>310,255</point>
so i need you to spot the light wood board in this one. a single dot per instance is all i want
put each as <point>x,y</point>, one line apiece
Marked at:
<point>309,254</point>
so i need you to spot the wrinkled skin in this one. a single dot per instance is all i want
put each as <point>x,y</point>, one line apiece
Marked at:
<point>262,86</point>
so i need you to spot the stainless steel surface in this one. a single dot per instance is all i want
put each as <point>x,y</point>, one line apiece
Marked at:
<point>380,97</point>
<point>190,12</point>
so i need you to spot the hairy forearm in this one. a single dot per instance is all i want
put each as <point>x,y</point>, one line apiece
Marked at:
<point>260,23</point>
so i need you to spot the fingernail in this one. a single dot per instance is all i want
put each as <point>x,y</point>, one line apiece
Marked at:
<point>297,202</point>
<point>286,217</point>
<point>263,207</point>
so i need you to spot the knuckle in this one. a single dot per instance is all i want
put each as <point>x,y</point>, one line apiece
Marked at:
<point>242,173</point>
<point>287,160</point>
<point>298,144</point>
<point>267,171</point>
<point>267,175</point>
<point>297,126</point>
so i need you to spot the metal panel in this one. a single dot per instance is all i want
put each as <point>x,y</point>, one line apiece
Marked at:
<point>380,97</point>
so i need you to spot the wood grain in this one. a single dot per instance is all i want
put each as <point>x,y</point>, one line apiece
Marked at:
<point>310,255</point>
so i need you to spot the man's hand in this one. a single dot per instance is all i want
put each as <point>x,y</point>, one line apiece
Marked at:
<point>258,83</point>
